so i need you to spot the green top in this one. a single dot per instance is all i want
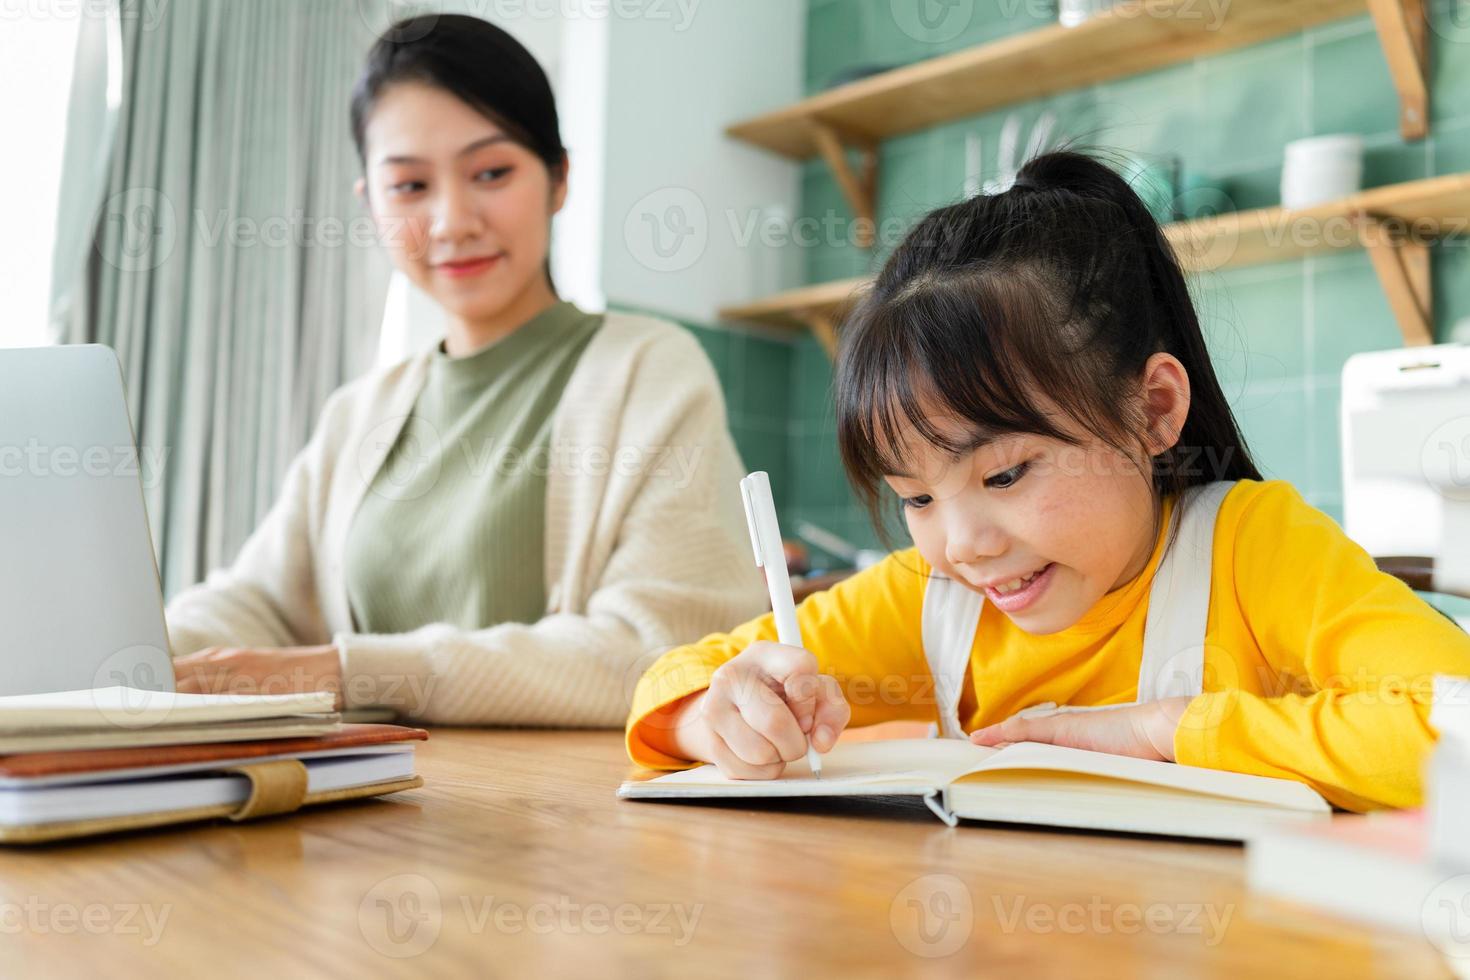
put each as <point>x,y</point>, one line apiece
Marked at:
<point>452,528</point>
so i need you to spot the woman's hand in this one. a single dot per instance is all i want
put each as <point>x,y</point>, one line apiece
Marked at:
<point>757,714</point>
<point>1145,731</point>
<point>236,670</point>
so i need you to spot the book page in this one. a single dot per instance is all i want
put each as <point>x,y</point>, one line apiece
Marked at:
<point>1035,756</point>
<point>861,766</point>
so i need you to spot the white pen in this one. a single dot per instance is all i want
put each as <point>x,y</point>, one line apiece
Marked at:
<point>765,537</point>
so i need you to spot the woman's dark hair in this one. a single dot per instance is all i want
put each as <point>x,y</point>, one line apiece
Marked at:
<point>476,62</point>
<point>1063,285</point>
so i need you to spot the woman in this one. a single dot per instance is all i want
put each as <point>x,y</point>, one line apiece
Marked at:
<point>497,530</point>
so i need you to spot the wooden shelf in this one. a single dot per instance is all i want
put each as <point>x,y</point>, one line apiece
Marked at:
<point>790,308</point>
<point>1130,38</point>
<point>818,308</point>
<point>1134,37</point>
<point>1396,223</point>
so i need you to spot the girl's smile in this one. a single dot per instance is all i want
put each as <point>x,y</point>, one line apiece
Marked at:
<point>1021,593</point>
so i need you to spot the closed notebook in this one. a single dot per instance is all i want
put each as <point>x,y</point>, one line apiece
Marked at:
<point>65,739</point>
<point>112,717</point>
<point>1026,783</point>
<point>106,708</point>
<point>56,795</point>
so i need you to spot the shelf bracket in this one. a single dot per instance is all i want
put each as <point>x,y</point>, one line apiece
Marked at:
<point>823,327</point>
<point>860,187</point>
<point>1403,267</point>
<point>1403,34</point>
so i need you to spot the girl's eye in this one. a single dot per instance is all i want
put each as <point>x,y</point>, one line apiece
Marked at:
<point>407,187</point>
<point>1006,478</point>
<point>493,173</point>
<point>917,503</point>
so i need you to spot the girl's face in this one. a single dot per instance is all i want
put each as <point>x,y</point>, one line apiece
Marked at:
<point>1043,528</point>
<point>463,210</point>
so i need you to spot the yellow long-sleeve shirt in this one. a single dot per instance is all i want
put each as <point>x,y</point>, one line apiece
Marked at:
<point>1318,667</point>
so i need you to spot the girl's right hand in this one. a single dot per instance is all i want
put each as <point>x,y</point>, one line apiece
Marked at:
<point>759,710</point>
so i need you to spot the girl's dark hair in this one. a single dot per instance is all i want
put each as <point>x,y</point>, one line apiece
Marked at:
<point>476,62</point>
<point>1063,285</point>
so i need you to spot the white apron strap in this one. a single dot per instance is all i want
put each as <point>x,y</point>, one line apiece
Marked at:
<point>951,616</point>
<point>1173,662</point>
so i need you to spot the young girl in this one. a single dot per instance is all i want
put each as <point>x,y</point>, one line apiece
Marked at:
<point>1029,379</point>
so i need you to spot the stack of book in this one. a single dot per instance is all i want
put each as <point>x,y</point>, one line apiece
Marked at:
<point>1447,790</point>
<point>1375,869</point>
<point>1407,870</point>
<point>78,763</point>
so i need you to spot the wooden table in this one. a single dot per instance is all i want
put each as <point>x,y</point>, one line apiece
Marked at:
<point>515,860</point>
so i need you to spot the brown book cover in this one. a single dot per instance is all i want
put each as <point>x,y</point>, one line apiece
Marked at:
<point>29,765</point>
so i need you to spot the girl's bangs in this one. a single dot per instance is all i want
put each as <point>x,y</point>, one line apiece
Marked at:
<point>934,354</point>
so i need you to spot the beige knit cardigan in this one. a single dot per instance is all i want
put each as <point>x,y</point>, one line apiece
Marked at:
<point>646,546</point>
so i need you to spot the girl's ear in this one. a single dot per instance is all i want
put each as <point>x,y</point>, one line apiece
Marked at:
<point>1165,392</point>
<point>359,190</point>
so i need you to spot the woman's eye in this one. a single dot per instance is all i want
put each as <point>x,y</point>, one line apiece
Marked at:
<point>917,503</point>
<point>407,187</point>
<point>1006,478</point>
<point>493,173</point>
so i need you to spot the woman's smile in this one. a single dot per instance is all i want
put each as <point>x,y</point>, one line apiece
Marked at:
<point>464,268</point>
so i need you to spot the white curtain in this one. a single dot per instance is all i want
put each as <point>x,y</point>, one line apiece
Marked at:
<point>227,260</point>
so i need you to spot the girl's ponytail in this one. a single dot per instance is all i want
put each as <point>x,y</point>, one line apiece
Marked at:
<point>1064,284</point>
<point>1210,428</point>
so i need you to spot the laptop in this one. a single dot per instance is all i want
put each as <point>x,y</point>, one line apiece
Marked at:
<point>80,602</point>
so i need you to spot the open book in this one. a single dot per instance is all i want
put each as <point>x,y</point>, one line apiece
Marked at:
<point>1027,783</point>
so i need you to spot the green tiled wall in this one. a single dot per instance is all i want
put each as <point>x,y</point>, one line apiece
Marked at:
<point>1279,333</point>
<point>756,372</point>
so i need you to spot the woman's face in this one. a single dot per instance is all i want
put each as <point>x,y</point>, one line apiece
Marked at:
<point>463,210</point>
<point>1042,527</point>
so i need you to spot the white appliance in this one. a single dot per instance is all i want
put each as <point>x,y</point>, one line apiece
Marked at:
<point>1406,456</point>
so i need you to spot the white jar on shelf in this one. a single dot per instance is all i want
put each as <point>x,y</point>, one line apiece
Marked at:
<point>1321,169</point>
<point>1070,13</point>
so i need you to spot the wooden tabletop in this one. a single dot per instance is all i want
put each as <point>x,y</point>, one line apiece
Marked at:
<point>515,860</point>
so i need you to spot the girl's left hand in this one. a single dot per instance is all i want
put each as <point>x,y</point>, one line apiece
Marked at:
<point>233,670</point>
<point>1145,731</point>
